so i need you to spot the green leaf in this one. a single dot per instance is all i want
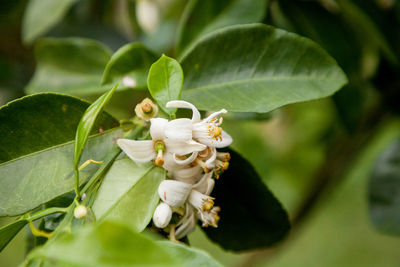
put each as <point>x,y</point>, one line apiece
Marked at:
<point>204,16</point>
<point>87,122</point>
<point>36,149</point>
<point>8,232</point>
<point>384,191</point>
<point>251,217</point>
<point>165,82</point>
<point>132,60</point>
<point>261,69</point>
<point>42,15</point>
<point>69,65</point>
<point>189,256</point>
<point>129,193</point>
<point>41,121</point>
<point>107,244</point>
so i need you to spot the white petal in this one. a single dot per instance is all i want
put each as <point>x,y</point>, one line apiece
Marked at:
<point>174,193</point>
<point>183,148</point>
<point>210,163</point>
<point>162,215</point>
<point>188,175</point>
<point>140,151</point>
<point>205,185</point>
<point>187,161</point>
<point>157,128</point>
<point>179,130</point>
<point>215,114</point>
<point>170,164</point>
<point>225,141</point>
<point>184,104</point>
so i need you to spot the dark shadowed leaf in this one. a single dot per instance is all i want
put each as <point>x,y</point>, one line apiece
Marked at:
<point>204,16</point>
<point>251,217</point>
<point>261,69</point>
<point>69,65</point>
<point>384,191</point>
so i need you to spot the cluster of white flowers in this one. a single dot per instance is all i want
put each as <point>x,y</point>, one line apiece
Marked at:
<point>186,148</point>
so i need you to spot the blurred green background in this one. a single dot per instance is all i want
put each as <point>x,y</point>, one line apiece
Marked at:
<point>316,157</point>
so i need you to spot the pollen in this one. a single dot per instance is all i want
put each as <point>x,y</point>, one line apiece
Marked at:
<point>207,204</point>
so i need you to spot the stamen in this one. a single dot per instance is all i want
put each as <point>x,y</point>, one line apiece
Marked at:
<point>224,156</point>
<point>203,165</point>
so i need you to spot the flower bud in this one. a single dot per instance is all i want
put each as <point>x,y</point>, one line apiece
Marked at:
<point>80,212</point>
<point>162,215</point>
<point>146,109</point>
<point>174,193</point>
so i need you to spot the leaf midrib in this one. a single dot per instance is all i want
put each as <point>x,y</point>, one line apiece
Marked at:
<point>54,147</point>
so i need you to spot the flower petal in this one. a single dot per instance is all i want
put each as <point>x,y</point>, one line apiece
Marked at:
<point>170,164</point>
<point>139,151</point>
<point>162,215</point>
<point>186,161</point>
<point>205,185</point>
<point>187,227</point>
<point>224,141</point>
<point>215,114</point>
<point>188,175</point>
<point>179,130</point>
<point>157,128</point>
<point>210,163</point>
<point>182,148</point>
<point>174,193</point>
<point>183,104</point>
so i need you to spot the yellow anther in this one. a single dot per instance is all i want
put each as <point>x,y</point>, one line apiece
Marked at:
<point>208,204</point>
<point>203,165</point>
<point>225,165</point>
<point>217,131</point>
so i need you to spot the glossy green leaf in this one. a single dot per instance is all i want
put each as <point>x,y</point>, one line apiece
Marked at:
<point>107,244</point>
<point>261,69</point>
<point>251,217</point>
<point>189,256</point>
<point>87,122</point>
<point>69,65</point>
<point>204,16</point>
<point>38,122</point>
<point>8,232</point>
<point>41,15</point>
<point>384,191</point>
<point>132,62</point>
<point>36,151</point>
<point>165,81</point>
<point>129,193</point>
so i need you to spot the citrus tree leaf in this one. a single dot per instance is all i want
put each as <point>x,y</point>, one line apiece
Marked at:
<point>129,193</point>
<point>8,232</point>
<point>132,62</point>
<point>189,256</point>
<point>36,153</point>
<point>41,15</point>
<point>251,217</point>
<point>165,82</point>
<point>261,69</point>
<point>384,191</point>
<point>204,16</point>
<point>69,65</point>
<point>107,244</point>
<point>87,122</point>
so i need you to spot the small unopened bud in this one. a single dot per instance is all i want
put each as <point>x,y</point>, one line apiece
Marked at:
<point>146,109</point>
<point>162,215</point>
<point>80,212</point>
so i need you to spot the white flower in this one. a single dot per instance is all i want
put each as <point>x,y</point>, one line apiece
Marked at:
<point>200,201</point>
<point>167,137</point>
<point>209,218</point>
<point>174,193</point>
<point>162,215</point>
<point>208,130</point>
